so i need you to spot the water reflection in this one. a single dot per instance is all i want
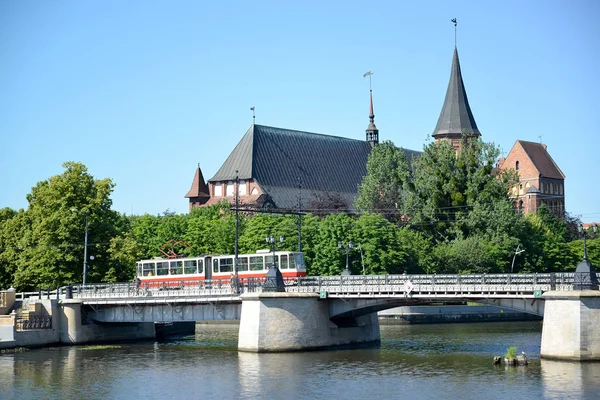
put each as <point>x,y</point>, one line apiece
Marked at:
<point>433,361</point>
<point>570,379</point>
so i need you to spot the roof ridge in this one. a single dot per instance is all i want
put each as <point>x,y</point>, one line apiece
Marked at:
<point>310,133</point>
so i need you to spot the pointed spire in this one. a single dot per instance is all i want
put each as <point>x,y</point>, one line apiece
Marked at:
<point>372,131</point>
<point>456,116</point>
<point>199,189</point>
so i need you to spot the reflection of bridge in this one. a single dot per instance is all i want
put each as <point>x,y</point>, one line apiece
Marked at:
<point>321,312</point>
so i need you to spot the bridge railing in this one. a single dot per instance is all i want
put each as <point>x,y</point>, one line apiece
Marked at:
<point>215,287</point>
<point>504,283</point>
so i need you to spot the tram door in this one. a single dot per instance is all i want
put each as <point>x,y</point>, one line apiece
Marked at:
<point>208,267</point>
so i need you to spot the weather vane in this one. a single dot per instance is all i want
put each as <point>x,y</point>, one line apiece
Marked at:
<point>453,20</point>
<point>253,115</point>
<point>369,75</point>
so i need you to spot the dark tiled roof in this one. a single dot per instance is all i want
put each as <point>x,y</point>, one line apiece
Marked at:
<point>540,157</point>
<point>278,159</point>
<point>456,116</point>
<point>199,188</point>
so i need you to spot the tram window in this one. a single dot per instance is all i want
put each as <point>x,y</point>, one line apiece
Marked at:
<point>162,268</point>
<point>256,263</point>
<point>176,268</point>
<point>148,269</point>
<point>226,265</point>
<point>190,267</point>
<point>201,266</point>
<point>292,261</point>
<point>243,264</point>
<point>215,265</point>
<point>299,260</point>
<point>283,261</point>
<point>268,262</point>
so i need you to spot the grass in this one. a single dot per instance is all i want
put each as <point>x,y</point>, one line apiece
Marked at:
<point>101,347</point>
<point>511,352</point>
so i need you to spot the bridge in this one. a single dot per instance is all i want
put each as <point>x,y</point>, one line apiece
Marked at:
<point>324,312</point>
<point>522,292</point>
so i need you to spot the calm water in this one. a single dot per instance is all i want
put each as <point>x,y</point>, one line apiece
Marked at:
<point>413,362</point>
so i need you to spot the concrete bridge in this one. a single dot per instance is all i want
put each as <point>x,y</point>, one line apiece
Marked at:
<point>325,312</point>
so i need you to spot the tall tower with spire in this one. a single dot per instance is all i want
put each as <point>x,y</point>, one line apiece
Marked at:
<point>371,131</point>
<point>456,117</point>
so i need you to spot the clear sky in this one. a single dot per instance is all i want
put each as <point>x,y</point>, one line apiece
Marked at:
<point>142,91</point>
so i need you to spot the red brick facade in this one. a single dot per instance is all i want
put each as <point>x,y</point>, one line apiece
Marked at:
<point>540,179</point>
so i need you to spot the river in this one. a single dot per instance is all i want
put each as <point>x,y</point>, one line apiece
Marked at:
<point>449,361</point>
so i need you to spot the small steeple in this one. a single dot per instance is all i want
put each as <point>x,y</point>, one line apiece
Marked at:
<point>198,193</point>
<point>372,131</point>
<point>456,116</point>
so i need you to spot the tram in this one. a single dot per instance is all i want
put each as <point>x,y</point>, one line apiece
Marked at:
<point>212,267</point>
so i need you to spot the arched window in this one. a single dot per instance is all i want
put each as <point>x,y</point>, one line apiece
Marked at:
<point>520,205</point>
<point>517,165</point>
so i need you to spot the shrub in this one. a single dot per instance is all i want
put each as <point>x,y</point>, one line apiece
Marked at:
<point>511,352</point>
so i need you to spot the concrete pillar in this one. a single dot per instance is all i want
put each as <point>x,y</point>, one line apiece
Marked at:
<point>70,321</point>
<point>283,322</point>
<point>571,329</point>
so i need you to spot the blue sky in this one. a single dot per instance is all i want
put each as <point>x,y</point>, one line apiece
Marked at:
<point>143,91</point>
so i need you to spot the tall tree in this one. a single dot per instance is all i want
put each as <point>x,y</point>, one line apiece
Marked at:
<point>450,185</point>
<point>385,188</point>
<point>52,246</point>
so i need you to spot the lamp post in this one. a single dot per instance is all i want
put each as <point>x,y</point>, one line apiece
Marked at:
<point>346,249</point>
<point>517,252</point>
<point>585,275</point>
<point>237,223</point>
<point>274,280</point>
<point>85,246</point>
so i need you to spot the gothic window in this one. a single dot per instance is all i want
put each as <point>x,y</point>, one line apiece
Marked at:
<point>229,189</point>
<point>218,189</point>
<point>517,165</point>
<point>520,205</point>
<point>254,191</point>
<point>242,188</point>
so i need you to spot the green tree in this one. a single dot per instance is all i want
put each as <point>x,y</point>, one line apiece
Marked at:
<point>51,247</point>
<point>11,230</point>
<point>329,260</point>
<point>457,194</point>
<point>385,187</point>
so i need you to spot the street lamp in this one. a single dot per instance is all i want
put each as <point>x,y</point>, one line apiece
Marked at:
<point>85,246</point>
<point>517,252</point>
<point>585,275</point>
<point>274,279</point>
<point>346,249</point>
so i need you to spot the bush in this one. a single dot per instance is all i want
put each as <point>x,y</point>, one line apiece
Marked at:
<point>511,352</point>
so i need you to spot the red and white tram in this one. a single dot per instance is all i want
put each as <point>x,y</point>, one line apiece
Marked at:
<point>190,269</point>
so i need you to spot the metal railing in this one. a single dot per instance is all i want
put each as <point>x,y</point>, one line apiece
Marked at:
<point>348,285</point>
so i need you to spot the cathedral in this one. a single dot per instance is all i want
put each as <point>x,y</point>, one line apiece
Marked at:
<point>287,169</point>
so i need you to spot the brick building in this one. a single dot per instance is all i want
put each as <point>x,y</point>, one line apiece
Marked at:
<point>540,180</point>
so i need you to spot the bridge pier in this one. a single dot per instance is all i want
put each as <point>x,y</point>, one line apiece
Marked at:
<point>284,322</point>
<point>571,329</point>
<point>75,328</point>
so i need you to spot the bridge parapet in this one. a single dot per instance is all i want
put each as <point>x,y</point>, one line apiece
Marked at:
<point>436,286</point>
